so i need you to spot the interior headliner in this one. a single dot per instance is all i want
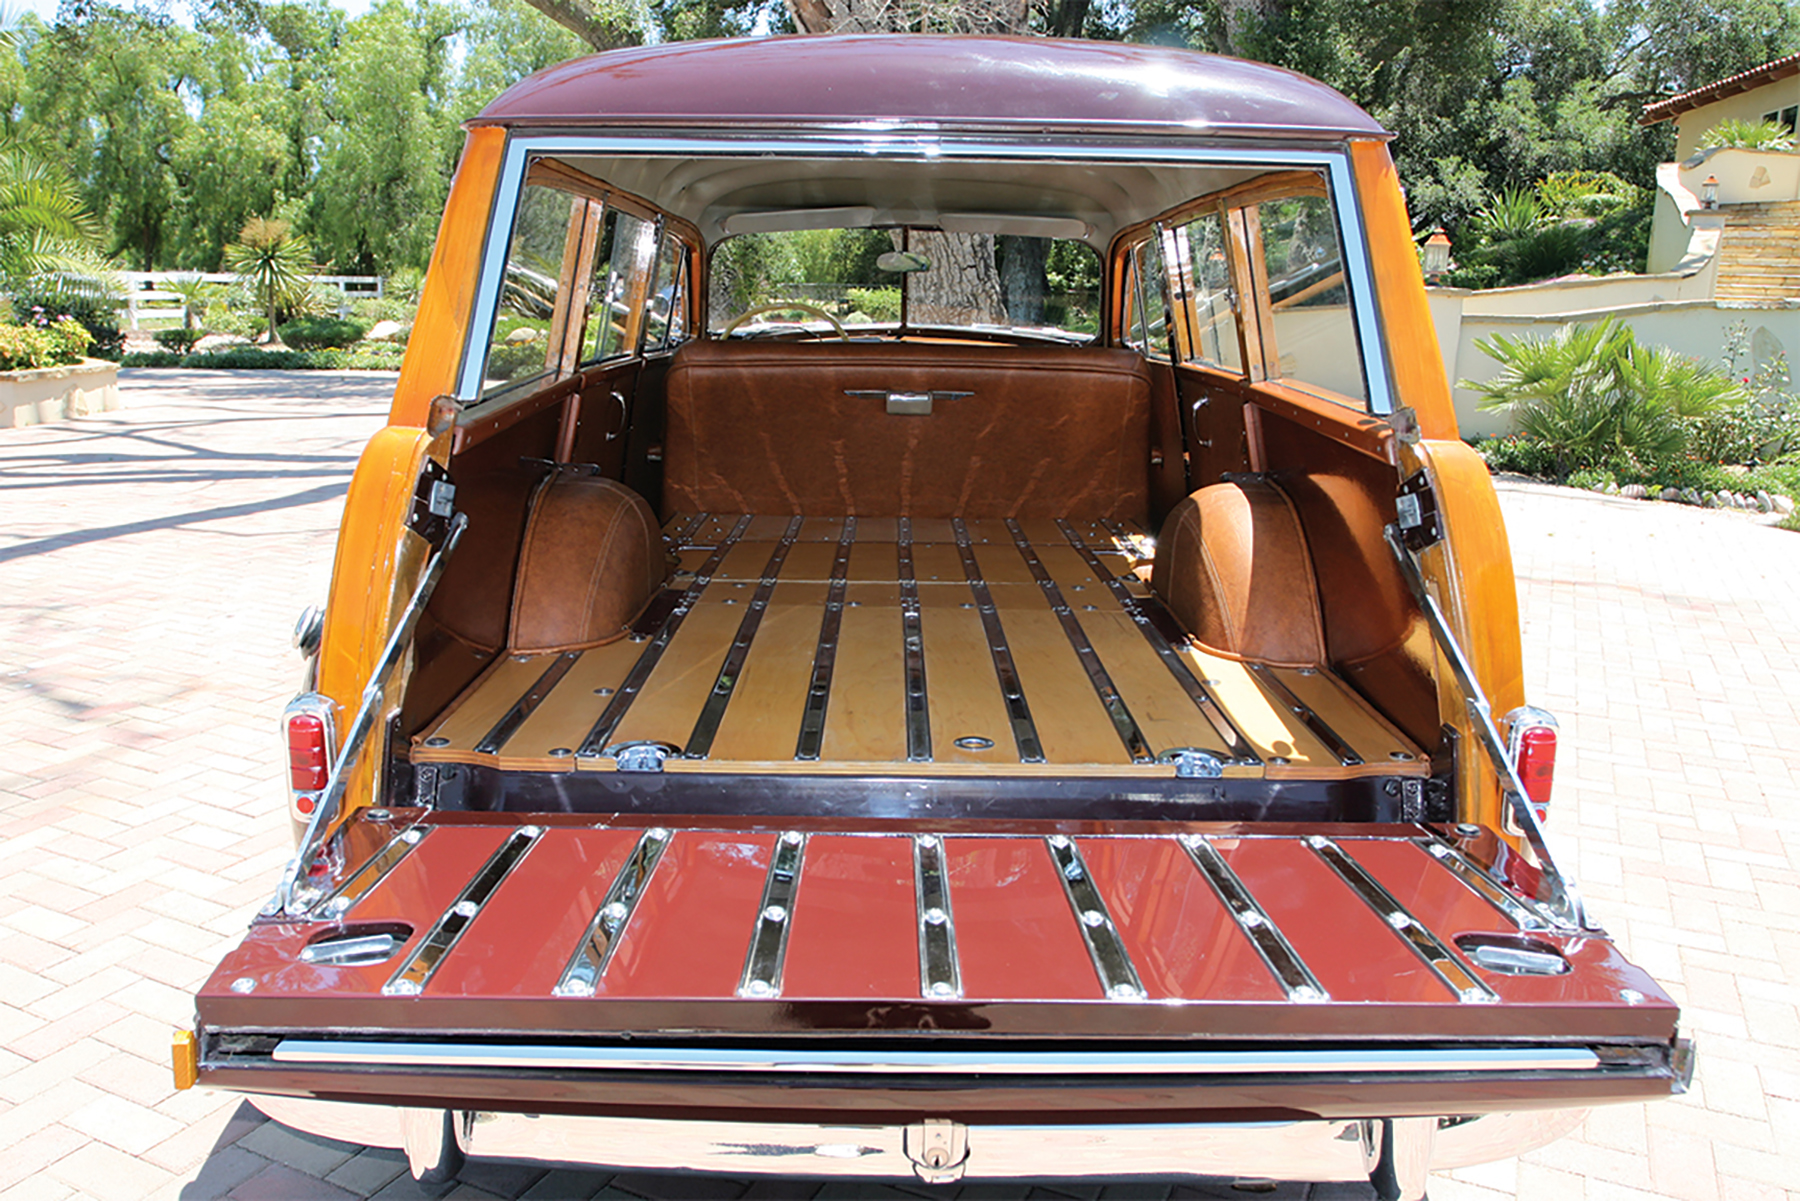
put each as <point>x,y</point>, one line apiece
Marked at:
<point>1107,197</point>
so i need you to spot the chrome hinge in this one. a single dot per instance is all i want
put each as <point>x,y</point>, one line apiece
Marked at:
<point>938,1149</point>
<point>433,502</point>
<point>1417,513</point>
<point>641,756</point>
<point>1193,764</point>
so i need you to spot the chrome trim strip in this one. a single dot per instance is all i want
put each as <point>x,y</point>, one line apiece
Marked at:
<point>706,726</point>
<point>1018,711</point>
<point>1112,963</point>
<point>507,726</point>
<point>810,744</point>
<point>581,978</point>
<point>893,1062</point>
<point>1426,945</point>
<point>940,972</point>
<point>912,629</point>
<point>1483,885</point>
<point>1321,729</point>
<point>1123,722</point>
<point>411,977</point>
<point>369,876</point>
<point>1335,1150</point>
<point>1235,742</point>
<point>1290,971</point>
<point>597,738</point>
<point>774,918</point>
<point>892,141</point>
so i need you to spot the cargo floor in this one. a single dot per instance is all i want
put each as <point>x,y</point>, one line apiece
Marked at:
<point>931,647</point>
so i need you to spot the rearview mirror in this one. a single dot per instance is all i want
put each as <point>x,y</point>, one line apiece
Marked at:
<point>902,262</point>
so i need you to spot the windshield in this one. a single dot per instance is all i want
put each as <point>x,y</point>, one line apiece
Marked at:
<point>824,280</point>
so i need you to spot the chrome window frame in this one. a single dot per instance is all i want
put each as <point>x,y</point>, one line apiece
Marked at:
<point>1334,160</point>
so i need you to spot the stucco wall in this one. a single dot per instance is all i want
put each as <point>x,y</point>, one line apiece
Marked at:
<point>1745,106</point>
<point>55,393</point>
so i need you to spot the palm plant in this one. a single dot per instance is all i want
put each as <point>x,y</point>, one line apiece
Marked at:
<point>273,263</point>
<point>1749,135</point>
<point>1595,398</point>
<point>48,240</point>
<point>1512,213</point>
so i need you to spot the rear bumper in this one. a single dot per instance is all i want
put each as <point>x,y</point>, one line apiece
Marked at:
<point>1320,1151</point>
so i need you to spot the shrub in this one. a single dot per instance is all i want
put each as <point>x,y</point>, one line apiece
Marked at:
<point>22,348</point>
<point>1596,398</point>
<point>97,315</point>
<point>69,340</point>
<point>180,339</point>
<point>1512,213</point>
<point>877,304</point>
<point>152,358</point>
<point>318,333</point>
<point>42,341</point>
<point>1518,455</point>
<point>1585,193</point>
<point>1748,135</point>
<point>1593,479</point>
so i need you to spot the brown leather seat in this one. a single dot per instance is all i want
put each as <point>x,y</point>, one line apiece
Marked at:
<point>776,428</point>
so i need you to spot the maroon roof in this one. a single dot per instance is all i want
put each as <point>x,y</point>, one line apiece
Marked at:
<point>1731,85</point>
<point>1046,83</point>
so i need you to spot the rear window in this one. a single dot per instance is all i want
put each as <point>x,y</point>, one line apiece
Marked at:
<point>821,281</point>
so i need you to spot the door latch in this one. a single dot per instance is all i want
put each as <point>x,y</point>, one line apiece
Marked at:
<point>938,1149</point>
<point>1417,513</point>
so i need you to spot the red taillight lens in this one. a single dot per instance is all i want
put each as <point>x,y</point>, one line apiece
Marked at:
<point>1537,765</point>
<point>308,761</point>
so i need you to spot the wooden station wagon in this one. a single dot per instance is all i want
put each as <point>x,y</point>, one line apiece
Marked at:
<point>920,610</point>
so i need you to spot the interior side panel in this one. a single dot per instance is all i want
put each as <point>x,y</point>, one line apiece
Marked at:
<point>1168,460</point>
<point>1212,413</point>
<point>1373,631</point>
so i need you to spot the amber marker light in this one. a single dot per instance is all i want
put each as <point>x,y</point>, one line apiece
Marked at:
<point>184,1051</point>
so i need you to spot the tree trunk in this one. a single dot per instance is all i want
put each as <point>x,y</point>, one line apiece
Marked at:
<point>1023,278</point>
<point>963,285</point>
<point>600,25</point>
<point>909,16</point>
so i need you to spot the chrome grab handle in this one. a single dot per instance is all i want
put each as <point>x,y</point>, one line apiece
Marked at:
<point>1564,899</point>
<point>358,735</point>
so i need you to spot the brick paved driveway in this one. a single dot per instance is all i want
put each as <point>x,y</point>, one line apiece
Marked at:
<point>152,562</point>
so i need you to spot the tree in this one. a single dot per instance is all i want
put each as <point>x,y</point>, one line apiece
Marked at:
<point>48,240</point>
<point>273,264</point>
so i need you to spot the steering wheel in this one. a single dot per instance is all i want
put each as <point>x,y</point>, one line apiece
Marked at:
<point>784,307</point>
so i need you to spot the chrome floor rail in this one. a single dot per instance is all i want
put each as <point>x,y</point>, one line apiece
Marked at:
<point>1563,900</point>
<point>358,735</point>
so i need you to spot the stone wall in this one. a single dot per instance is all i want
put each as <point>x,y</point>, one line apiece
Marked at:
<point>46,394</point>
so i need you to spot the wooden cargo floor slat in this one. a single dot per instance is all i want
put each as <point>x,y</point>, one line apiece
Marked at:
<point>1020,689</point>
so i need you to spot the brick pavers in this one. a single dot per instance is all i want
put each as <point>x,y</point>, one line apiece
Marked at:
<point>151,565</point>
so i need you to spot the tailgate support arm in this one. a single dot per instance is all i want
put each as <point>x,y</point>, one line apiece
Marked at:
<point>358,736</point>
<point>1560,895</point>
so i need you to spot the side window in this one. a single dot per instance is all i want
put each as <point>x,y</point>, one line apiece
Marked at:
<point>520,345</point>
<point>615,299</point>
<point>666,307</point>
<point>1146,307</point>
<point>1309,335</point>
<point>1215,328</point>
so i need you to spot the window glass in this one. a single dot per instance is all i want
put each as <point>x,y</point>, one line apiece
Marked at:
<point>804,280</point>
<point>665,318</point>
<point>519,346</point>
<point>1147,314</point>
<point>1308,308</point>
<point>614,289</point>
<point>1214,306</point>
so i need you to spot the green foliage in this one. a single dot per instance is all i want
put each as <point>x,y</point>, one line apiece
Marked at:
<point>878,305</point>
<point>251,358</point>
<point>318,333</point>
<point>42,342</point>
<point>1593,479</point>
<point>96,315</point>
<point>1595,398</point>
<point>1510,213</point>
<point>1518,455</point>
<point>1567,194</point>
<point>1616,240</point>
<point>1749,135</point>
<point>1767,426</point>
<point>180,339</point>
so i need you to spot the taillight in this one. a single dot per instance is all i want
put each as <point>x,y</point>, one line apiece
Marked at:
<point>1532,744</point>
<point>307,726</point>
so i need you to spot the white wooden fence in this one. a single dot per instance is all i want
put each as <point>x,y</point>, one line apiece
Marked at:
<point>147,295</point>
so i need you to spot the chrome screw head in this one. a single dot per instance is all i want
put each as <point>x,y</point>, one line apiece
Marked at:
<point>243,984</point>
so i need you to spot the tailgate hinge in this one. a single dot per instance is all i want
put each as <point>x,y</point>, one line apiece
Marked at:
<point>938,1149</point>
<point>433,502</point>
<point>1417,511</point>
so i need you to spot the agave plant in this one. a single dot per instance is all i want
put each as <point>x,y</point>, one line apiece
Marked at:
<point>1512,213</point>
<point>273,263</point>
<point>1596,398</point>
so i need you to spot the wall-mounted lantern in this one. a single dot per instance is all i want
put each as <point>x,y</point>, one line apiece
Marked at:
<point>1709,193</point>
<point>1437,253</point>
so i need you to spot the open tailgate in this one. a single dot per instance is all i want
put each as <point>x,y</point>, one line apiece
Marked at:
<point>608,966</point>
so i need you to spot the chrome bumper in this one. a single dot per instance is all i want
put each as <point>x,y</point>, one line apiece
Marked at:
<point>942,1151</point>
